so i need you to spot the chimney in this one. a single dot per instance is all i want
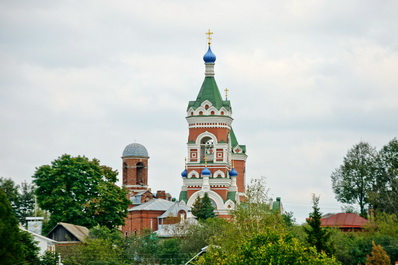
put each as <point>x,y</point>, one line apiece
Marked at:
<point>161,194</point>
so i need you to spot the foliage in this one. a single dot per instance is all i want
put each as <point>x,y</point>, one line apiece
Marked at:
<point>268,247</point>
<point>353,180</point>
<point>200,235</point>
<point>30,250</point>
<point>11,251</point>
<point>384,196</point>
<point>102,246</point>
<point>49,258</point>
<point>202,208</point>
<point>170,252</point>
<point>317,236</point>
<point>80,191</point>
<point>352,247</point>
<point>378,256</point>
<point>142,248</point>
<point>20,197</point>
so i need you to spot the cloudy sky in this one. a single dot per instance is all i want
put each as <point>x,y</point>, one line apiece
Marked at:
<point>308,79</point>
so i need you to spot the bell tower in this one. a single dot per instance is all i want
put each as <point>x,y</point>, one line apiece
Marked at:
<point>216,161</point>
<point>135,168</point>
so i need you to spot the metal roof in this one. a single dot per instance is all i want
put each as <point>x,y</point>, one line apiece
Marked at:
<point>153,205</point>
<point>174,209</point>
<point>80,232</point>
<point>344,220</point>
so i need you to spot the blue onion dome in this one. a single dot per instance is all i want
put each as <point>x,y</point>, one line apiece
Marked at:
<point>233,173</point>
<point>209,57</point>
<point>184,174</point>
<point>206,172</point>
<point>135,150</point>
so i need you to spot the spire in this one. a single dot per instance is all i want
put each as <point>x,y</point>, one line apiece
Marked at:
<point>209,90</point>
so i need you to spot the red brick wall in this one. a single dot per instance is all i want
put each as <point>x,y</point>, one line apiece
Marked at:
<point>240,167</point>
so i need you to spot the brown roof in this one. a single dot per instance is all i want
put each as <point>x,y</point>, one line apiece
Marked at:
<point>344,220</point>
<point>80,232</point>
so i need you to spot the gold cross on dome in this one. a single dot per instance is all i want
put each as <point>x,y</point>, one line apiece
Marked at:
<point>209,33</point>
<point>226,93</point>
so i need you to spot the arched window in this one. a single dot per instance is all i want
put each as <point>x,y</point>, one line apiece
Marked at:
<point>140,173</point>
<point>124,173</point>
<point>200,112</point>
<point>206,149</point>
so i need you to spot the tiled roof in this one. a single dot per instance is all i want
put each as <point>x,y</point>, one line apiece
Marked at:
<point>153,205</point>
<point>344,220</point>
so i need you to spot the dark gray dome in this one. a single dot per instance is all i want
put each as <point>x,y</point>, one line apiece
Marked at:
<point>135,150</point>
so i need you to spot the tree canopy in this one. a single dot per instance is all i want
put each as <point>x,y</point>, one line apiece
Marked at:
<point>384,196</point>
<point>354,179</point>
<point>11,251</point>
<point>80,191</point>
<point>317,236</point>
<point>21,197</point>
<point>369,178</point>
<point>203,208</point>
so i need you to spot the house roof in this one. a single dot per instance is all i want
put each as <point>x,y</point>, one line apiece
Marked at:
<point>80,232</point>
<point>344,220</point>
<point>153,205</point>
<point>37,235</point>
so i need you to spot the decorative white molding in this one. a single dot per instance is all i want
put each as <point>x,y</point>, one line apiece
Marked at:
<point>212,195</point>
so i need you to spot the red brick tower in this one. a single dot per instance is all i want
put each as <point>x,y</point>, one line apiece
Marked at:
<point>216,161</point>
<point>135,168</point>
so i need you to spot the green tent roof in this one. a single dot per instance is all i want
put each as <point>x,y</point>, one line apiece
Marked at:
<point>209,91</point>
<point>234,141</point>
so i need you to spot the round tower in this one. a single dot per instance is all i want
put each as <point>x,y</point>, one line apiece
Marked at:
<point>135,167</point>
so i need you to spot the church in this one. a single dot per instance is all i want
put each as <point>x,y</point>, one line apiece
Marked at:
<point>215,163</point>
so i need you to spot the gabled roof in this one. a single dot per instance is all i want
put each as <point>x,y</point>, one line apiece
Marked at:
<point>153,205</point>
<point>209,91</point>
<point>344,220</point>
<point>174,209</point>
<point>80,232</point>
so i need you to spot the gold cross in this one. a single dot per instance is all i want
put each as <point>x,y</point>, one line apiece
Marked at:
<point>226,93</point>
<point>205,158</point>
<point>208,33</point>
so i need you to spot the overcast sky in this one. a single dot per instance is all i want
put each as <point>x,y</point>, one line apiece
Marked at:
<point>307,81</point>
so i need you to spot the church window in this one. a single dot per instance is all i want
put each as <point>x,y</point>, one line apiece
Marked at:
<point>140,173</point>
<point>222,112</point>
<point>207,106</point>
<point>191,113</point>
<point>200,112</point>
<point>212,113</point>
<point>124,173</point>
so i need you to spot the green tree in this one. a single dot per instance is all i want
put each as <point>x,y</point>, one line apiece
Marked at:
<point>49,258</point>
<point>26,203</point>
<point>30,250</point>
<point>317,236</point>
<point>11,191</point>
<point>384,196</point>
<point>11,251</point>
<point>354,180</point>
<point>80,191</point>
<point>267,247</point>
<point>203,208</point>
